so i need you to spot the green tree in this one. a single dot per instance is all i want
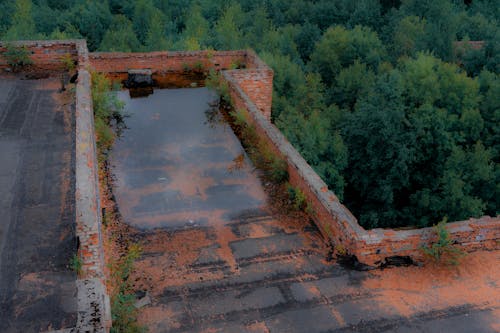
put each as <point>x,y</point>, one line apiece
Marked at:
<point>380,153</point>
<point>196,34</point>
<point>23,25</point>
<point>466,172</point>
<point>120,36</point>
<point>350,84</point>
<point>339,48</point>
<point>409,36</point>
<point>156,39</point>
<point>92,19</point>
<point>142,18</point>
<point>228,33</point>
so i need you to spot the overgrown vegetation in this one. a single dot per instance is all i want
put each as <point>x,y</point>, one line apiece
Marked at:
<point>68,62</point>
<point>297,197</point>
<point>123,311</point>
<point>75,264</point>
<point>18,57</point>
<point>372,93</point>
<point>214,81</point>
<point>108,113</point>
<point>443,251</point>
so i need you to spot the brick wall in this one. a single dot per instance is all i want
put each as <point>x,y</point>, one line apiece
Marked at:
<point>336,222</point>
<point>93,302</point>
<point>250,89</point>
<point>255,78</point>
<point>165,61</point>
<point>45,55</point>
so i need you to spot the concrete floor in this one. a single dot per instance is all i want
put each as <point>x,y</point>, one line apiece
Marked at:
<point>219,258</point>
<point>37,238</point>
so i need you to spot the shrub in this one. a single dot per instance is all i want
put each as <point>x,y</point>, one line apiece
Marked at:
<point>297,197</point>
<point>123,311</point>
<point>278,171</point>
<point>443,250</point>
<point>186,67</point>
<point>17,57</point>
<point>75,264</point>
<point>107,107</point>
<point>215,81</point>
<point>198,66</point>
<point>68,62</point>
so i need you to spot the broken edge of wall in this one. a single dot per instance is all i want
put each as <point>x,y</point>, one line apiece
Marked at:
<point>336,222</point>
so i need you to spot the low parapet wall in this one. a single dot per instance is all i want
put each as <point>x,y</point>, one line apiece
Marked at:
<point>250,82</point>
<point>253,75</point>
<point>94,313</point>
<point>336,222</point>
<point>46,55</point>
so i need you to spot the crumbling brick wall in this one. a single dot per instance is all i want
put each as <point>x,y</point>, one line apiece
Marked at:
<point>93,302</point>
<point>46,55</point>
<point>250,82</point>
<point>252,75</point>
<point>335,221</point>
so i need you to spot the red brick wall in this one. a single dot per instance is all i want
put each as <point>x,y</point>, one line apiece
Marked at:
<point>251,89</point>
<point>255,78</point>
<point>258,85</point>
<point>165,61</point>
<point>336,222</point>
<point>45,55</point>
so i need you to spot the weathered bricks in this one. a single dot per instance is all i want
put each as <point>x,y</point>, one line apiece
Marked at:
<point>47,55</point>
<point>93,302</point>
<point>255,78</point>
<point>251,89</point>
<point>334,220</point>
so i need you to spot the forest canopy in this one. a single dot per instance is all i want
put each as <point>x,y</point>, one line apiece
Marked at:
<point>401,123</point>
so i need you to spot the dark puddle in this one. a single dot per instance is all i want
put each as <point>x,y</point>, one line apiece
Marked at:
<point>177,162</point>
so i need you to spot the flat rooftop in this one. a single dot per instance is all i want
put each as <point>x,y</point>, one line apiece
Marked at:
<point>219,257</point>
<point>37,200</point>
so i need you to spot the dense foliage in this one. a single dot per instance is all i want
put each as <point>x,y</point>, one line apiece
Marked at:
<point>400,122</point>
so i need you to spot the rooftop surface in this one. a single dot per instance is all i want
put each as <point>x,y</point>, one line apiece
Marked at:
<point>37,237</point>
<point>219,257</point>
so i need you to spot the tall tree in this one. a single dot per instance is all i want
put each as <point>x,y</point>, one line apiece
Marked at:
<point>340,47</point>
<point>23,25</point>
<point>156,39</point>
<point>120,36</point>
<point>228,34</point>
<point>196,33</point>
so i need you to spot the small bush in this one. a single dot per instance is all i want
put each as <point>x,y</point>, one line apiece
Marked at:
<point>297,197</point>
<point>278,172</point>
<point>107,107</point>
<point>443,250</point>
<point>18,57</point>
<point>198,66</point>
<point>215,81</point>
<point>68,62</point>
<point>123,311</point>
<point>75,264</point>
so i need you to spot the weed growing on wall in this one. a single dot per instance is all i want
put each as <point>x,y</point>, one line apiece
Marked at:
<point>68,63</point>
<point>75,264</point>
<point>18,57</point>
<point>297,197</point>
<point>214,80</point>
<point>107,109</point>
<point>123,311</point>
<point>273,167</point>
<point>443,251</point>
